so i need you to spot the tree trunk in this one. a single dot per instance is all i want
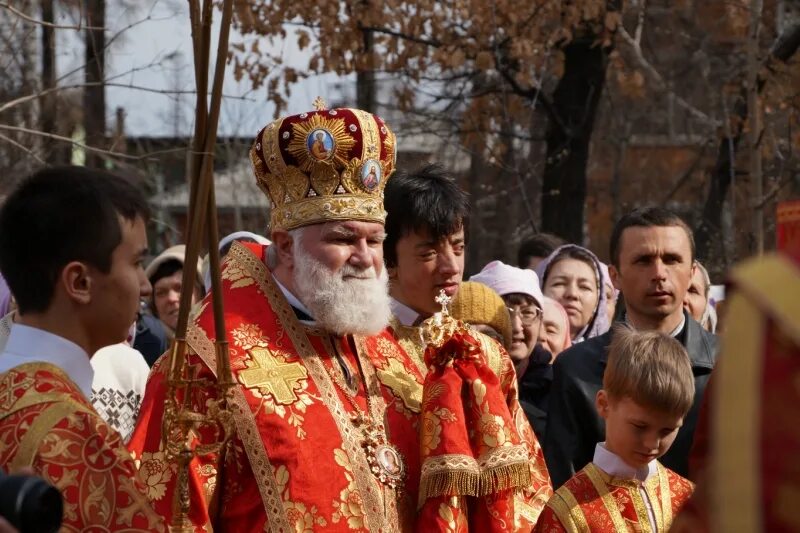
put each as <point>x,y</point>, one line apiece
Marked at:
<point>47,118</point>
<point>94,94</point>
<point>365,77</point>
<point>710,225</point>
<point>575,102</point>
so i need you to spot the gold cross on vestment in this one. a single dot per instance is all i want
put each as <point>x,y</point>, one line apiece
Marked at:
<point>272,375</point>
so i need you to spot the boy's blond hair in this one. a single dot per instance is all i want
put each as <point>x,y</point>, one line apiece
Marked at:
<point>650,368</point>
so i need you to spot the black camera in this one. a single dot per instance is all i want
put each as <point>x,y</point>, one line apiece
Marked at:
<point>30,504</point>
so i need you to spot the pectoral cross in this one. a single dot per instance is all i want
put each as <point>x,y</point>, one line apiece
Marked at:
<point>444,300</point>
<point>269,374</point>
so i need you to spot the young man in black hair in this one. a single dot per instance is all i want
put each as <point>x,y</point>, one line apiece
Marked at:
<point>426,223</point>
<point>71,249</point>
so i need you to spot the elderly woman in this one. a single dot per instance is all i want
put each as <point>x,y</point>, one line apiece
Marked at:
<point>696,301</point>
<point>575,278</point>
<point>555,335</point>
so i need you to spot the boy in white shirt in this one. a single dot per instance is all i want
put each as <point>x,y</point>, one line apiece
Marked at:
<point>648,388</point>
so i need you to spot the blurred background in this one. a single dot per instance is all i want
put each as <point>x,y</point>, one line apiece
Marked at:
<point>556,116</point>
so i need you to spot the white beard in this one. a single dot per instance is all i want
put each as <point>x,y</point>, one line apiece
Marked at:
<point>350,301</point>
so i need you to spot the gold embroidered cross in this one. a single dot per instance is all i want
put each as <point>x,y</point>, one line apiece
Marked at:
<point>270,374</point>
<point>319,104</point>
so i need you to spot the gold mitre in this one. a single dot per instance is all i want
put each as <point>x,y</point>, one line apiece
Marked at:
<point>328,164</point>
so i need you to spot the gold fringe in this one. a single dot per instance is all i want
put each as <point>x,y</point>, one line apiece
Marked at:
<point>461,483</point>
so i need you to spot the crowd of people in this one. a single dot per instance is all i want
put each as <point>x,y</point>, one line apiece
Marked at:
<point>571,397</point>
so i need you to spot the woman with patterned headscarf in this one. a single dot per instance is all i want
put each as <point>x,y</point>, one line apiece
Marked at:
<point>575,278</point>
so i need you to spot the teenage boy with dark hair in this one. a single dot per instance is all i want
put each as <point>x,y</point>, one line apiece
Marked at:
<point>71,249</point>
<point>426,223</point>
<point>648,388</point>
<point>652,254</point>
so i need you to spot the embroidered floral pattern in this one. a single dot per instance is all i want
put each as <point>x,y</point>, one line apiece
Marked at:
<point>432,428</point>
<point>237,275</point>
<point>156,472</point>
<point>247,336</point>
<point>301,517</point>
<point>349,506</point>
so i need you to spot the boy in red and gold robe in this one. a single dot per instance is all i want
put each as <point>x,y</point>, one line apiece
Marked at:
<point>647,390</point>
<point>76,295</point>
<point>424,252</point>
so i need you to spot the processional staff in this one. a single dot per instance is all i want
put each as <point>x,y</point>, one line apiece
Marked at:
<point>181,431</point>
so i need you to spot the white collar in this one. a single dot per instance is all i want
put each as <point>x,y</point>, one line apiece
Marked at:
<point>677,331</point>
<point>674,333</point>
<point>27,345</point>
<point>403,313</point>
<point>294,302</point>
<point>613,465</point>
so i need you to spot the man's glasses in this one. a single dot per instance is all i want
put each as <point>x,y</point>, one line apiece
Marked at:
<point>527,315</point>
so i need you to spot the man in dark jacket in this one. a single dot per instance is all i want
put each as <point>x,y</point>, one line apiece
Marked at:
<point>652,253</point>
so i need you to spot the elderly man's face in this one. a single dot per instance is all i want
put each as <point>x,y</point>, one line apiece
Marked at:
<point>337,273</point>
<point>334,244</point>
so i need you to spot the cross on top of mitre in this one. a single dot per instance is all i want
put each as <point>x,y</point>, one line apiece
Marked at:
<point>319,104</point>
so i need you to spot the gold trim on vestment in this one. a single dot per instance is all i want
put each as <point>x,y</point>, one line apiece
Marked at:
<point>609,502</point>
<point>371,491</point>
<point>664,509</point>
<point>31,397</point>
<point>735,506</point>
<point>773,282</point>
<point>409,339</point>
<point>568,511</point>
<point>765,289</point>
<point>640,507</point>
<point>247,430</point>
<point>39,428</point>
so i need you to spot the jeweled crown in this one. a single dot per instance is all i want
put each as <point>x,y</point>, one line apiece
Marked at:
<point>327,164</point>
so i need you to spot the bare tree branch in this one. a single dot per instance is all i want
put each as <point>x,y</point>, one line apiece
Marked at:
<point>28,18</point>
<point>659,80</point>
<point>27,98</point>
<point>83,146</point>
<point>25,149</point>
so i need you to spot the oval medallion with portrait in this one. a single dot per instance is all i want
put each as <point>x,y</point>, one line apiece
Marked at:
<point>370,175</point>
<point>320,145</point>
<point>387,464</point>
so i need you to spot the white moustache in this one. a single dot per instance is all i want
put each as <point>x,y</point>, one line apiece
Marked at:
<point>348,272</point>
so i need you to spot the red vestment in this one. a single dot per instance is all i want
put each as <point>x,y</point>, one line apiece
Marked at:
<point>296,460</point>
<point>527,503</point>
<point>751,480</point>
<point>47,424</point>
<point>593,501</point>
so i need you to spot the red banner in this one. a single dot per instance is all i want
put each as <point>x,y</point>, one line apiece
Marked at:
<point>788,227</point>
